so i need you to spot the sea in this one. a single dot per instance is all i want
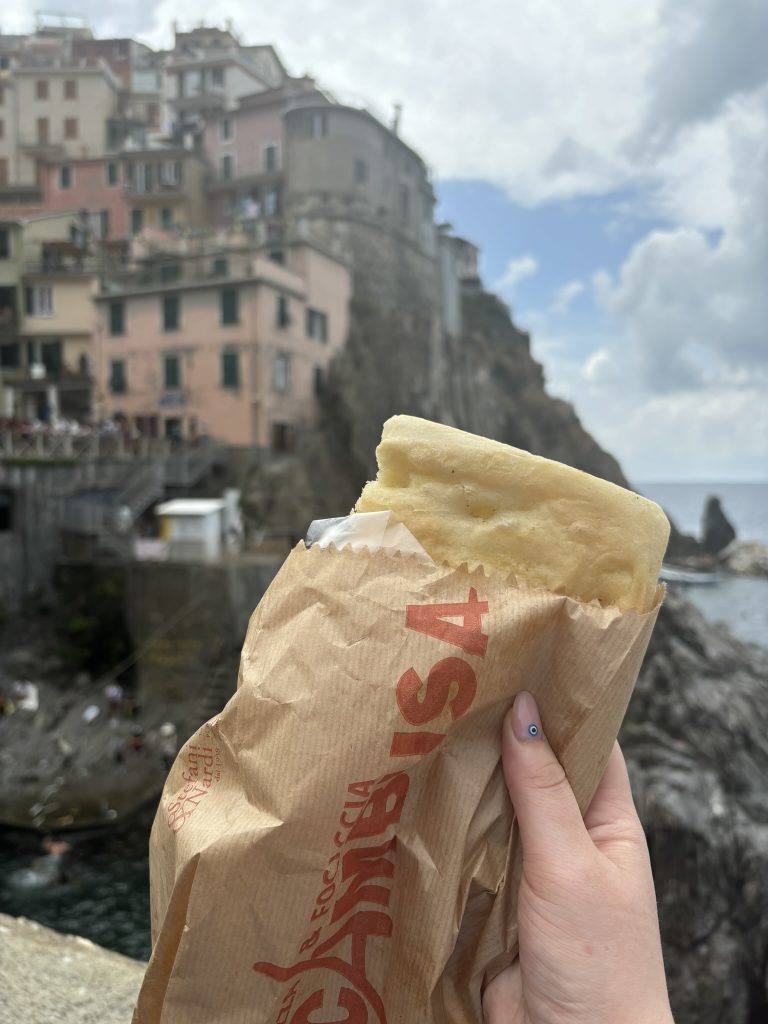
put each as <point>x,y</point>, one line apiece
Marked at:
<point>740,603</point>
<point>103,893</point>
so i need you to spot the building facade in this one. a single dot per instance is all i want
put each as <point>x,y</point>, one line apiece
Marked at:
<point>224,343</point>
<point>48,280</point>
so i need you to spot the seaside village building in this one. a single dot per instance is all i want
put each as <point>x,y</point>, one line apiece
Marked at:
<point>174,234</point>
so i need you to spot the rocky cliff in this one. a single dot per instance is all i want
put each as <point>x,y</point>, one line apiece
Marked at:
<point>696,740</point>
<point>485,381</point>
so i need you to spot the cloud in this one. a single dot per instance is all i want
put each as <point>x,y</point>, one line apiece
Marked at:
<point>515,272</point>
<point>711,51</point>
<point>566,295</point>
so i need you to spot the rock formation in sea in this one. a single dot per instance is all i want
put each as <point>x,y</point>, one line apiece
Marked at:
<point>717,532</point>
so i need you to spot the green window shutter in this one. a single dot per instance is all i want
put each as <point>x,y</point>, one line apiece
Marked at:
<point>230,369</point>
<point>172,372</point>
<point>230,311</point>
<point>171,311</point>
<point>116,318</point>
<point>117,380</point>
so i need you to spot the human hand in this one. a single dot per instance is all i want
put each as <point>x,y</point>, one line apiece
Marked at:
<point>590,951</point>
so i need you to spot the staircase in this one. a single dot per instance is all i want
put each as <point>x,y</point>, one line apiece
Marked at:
<point>108,515</point>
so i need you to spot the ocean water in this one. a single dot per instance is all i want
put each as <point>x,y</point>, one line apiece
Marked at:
<point>745,505</point>
<point>739,603</point>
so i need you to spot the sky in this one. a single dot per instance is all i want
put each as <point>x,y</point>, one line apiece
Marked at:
<point>611,161</point>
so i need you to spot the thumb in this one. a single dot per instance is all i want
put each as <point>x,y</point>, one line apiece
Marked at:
<point>547,813</point>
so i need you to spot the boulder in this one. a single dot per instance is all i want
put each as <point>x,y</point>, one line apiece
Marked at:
<point>745,558</point>
<point>716,530</point>
<point>63,978</point>
<point>696,742</point>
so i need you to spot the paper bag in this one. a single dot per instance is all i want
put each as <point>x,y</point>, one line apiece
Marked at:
<point>338,844</point>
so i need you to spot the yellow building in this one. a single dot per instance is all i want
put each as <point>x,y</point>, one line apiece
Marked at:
<point>48,277</point>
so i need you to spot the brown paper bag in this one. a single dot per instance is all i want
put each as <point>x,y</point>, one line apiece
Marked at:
<point>338,844</point>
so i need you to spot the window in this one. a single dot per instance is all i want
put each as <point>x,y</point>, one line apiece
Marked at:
<point>65,177</point>
<point>70,89</point>
<point>317,325</point>
<point>141,177</point>
<point>51,355</point>
<point>40,300</point>
<point>2,95</point>
<point>171,372</point>
<point>229,300</point>
<point>98,225</point>
<point>220,266</point>
<point>227,167</point>
<point>318,125</point>
<point>3,170</point>
<point>277,256</point>
<point>270,157</point>
<point>283,311</point>
<point>42,130</point>
<point>170,173</point>
<point>5,244</point>
<point>2,129</point>
<point>137,221</point>
<point>226,130</point>
<point>10,356</point>
<point>319,381</point>
<point>113,174</point>
<point>217,76</point>
<point>361,172</point>
<point>116,318</point>
<point>118,384</point>
<point>283,437</point>
<point>170,272</point>
<point>171,311</point>
<point>282,372</point>
<point>166,218</point>
<point>70,128</point>
<point>271,202</point>
<point>230,369</point>
<point>41,89</point>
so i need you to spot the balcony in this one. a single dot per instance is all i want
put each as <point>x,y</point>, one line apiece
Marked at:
<point>88,266</point>
<point>42,147</point>
<point>166,194</point>
<point>246,177</point>
<point>208,100</point>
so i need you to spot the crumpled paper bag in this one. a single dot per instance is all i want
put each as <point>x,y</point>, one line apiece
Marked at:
<point>338,844</point>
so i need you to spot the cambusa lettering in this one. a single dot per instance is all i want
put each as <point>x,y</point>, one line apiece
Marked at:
<point>363,873</point>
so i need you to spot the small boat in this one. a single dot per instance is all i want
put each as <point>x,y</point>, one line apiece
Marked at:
<point>687,577</point>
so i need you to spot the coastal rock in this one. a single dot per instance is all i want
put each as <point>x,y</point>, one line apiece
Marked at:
<point>696,741</point>
<point>51,977</point>
<point>717,532</point>
<point>745,558</point>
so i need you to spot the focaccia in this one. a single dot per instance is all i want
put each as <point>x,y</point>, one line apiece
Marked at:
<point>470,500</point>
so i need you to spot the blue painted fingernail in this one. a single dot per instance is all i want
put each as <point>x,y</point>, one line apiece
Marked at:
<point>526,723</point>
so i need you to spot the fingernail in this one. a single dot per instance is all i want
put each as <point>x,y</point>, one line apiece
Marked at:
<point>526,722</point>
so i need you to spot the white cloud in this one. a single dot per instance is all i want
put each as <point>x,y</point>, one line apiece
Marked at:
<point>515,272</point>
<point>566,295</point>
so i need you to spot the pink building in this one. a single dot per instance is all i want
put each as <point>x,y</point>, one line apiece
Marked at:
<point>92,185</point>
<point>246,154</point>
<point>226,343</point>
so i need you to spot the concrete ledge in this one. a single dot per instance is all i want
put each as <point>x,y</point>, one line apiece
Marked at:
<point>50,977</point>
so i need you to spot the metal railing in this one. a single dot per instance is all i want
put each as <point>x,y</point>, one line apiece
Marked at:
<point>85,447</point>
